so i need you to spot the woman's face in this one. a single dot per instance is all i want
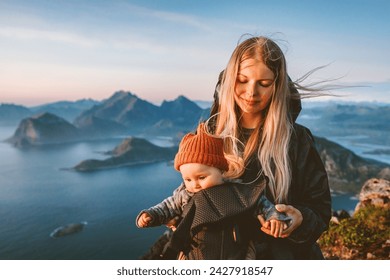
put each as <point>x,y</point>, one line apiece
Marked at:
<point>253,90</point>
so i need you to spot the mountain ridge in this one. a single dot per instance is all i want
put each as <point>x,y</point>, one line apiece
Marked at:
<point>139,116</point>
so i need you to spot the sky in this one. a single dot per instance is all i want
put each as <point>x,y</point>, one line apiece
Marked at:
<point>69,50</point>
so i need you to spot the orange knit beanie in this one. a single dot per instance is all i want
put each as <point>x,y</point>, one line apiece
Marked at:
<point>201,148</point>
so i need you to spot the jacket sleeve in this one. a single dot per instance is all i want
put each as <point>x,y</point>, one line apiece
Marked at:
<point>169,208</point>
<point>309,191</point>
<point>267,209</point>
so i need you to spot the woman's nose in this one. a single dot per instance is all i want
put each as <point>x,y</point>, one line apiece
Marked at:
<point>251,89</point>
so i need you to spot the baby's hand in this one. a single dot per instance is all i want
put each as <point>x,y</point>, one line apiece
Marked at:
<point>144,220</point>
<point>276,228</point>
<point>172,223</point>
<point>272,227</point>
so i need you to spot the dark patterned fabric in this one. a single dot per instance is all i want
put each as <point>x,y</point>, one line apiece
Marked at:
<point>218,223</point>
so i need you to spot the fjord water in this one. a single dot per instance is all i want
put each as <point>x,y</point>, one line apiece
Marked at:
<point>37,196</point>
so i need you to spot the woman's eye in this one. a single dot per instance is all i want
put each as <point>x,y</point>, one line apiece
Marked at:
<point>265,83</point>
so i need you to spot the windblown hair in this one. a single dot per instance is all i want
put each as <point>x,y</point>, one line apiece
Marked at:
<point>270,139</point>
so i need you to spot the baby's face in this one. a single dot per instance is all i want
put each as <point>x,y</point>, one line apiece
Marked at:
<point>198,176</point>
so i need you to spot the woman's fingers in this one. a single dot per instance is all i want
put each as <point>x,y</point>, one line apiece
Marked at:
<point>294,214</point>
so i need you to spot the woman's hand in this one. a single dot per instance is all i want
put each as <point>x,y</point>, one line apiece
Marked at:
<point>292,212</point>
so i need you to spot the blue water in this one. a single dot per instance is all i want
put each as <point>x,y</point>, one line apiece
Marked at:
<point>37,196</point>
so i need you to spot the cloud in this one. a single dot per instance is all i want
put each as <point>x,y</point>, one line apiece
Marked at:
<point>54,36</point>
<point>181,18</point>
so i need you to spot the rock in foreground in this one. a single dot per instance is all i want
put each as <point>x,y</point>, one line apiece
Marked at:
<point>366,235</point>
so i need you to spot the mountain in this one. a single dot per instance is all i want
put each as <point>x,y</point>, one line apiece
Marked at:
<point>180,109</point>
<point>371,121</point>
<point>11,114</point>
<point>137,116</point>
<point>44,129</point>
<point>131,151</point>
<point>176,116</point>
<point>95,127</point>
<point>121,114</point>
<point>67,110</point>
<point>346,170</point>
<point>122,108</point>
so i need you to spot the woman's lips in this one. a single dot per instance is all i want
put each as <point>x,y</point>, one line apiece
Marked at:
<point>251,102</point>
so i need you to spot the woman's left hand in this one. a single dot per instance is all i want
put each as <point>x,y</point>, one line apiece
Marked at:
<point>292,212</point>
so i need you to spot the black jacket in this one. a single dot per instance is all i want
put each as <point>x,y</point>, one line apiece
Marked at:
<point>309,190</point>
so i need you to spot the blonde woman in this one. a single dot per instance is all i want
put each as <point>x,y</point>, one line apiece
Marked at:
<point>255,109</point>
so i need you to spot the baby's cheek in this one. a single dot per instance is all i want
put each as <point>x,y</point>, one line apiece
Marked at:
<point>207,185</point>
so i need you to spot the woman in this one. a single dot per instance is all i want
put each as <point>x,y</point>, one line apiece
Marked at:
<point>255,110</point>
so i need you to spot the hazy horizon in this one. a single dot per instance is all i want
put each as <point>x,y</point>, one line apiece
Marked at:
<point>69,50</point>
<point>320,101</point>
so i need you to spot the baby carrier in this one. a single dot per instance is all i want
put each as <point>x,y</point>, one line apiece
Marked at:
<point>217,223</point>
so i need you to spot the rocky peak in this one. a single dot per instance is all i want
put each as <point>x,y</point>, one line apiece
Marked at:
<point>122,107</point>
<point>374,192</point>
<point>180,104</point>
<point>48,118</point>
<point>121,94</point>
<point>44,128</point>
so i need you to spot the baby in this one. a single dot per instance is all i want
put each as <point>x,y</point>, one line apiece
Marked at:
<point>212,205</point>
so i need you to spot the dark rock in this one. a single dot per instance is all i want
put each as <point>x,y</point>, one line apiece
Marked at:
<point>343,215</point>
<point>68,230</point>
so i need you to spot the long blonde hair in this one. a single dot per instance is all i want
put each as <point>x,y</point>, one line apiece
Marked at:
<point>270,139</point>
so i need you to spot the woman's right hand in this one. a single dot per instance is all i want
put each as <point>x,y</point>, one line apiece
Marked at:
<point>294,214</point>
